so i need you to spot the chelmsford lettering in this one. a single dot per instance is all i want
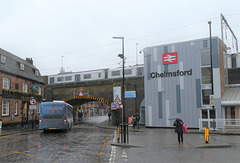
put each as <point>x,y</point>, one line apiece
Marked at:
<point>170,74</point>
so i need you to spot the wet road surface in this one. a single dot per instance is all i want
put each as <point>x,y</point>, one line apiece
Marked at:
<point>84,143</point>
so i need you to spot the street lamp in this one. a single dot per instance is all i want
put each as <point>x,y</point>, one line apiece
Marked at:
<point>123,92</point>
<point>211,59</point>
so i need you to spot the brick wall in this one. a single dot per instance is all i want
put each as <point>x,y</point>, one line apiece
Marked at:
<point>12,118</point>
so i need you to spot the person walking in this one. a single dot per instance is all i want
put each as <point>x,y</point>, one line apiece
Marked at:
<point>109,117</point>
<point>138,120</point>
<point>178,123</point>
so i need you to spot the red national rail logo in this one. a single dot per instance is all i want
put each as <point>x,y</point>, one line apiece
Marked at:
<point>170,58</point>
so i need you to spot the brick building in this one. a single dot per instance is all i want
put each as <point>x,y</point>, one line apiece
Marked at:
<point>20,81</point>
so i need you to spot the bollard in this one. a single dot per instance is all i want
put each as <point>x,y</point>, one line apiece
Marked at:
<point>206,135</point>
<point>118,133</point>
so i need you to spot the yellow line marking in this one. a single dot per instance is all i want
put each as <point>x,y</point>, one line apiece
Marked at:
<point>29,155</point>
<point>11,135</point>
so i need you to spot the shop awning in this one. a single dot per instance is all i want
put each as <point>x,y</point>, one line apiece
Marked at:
<point>231,96</point>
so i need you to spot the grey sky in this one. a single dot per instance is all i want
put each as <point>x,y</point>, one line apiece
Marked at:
<point>82,30</point>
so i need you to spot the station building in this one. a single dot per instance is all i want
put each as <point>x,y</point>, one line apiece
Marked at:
<point>177,81</point>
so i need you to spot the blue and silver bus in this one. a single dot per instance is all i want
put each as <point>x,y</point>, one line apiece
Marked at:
<point>55,116</point>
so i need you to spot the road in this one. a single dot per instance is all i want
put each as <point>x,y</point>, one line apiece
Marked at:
<point>87,142</point>
<point>84,143</point>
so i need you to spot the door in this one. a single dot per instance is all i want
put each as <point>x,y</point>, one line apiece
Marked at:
<point>208,118</point>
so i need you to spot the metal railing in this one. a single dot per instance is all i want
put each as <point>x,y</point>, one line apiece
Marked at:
<point>219,124</point>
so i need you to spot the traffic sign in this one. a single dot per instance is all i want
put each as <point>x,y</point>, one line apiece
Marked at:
<point>211,100</point>
<point>32,107</point>
<point>33,101</point>
<point>113,106</point>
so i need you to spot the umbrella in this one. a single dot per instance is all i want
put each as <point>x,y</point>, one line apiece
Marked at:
<point>173,117</point>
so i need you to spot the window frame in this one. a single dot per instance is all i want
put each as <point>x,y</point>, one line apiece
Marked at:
<point>25,87</point>
<point>3,59</point>
<point>87,76</point>
<point>5,106</point>
<point>16,107</point>
<point>6,83</point>
<point>115,73</point>
<point>21,66</point>
<point>40,90</point>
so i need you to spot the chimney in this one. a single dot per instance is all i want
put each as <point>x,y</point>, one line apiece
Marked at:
<point>29,60</point>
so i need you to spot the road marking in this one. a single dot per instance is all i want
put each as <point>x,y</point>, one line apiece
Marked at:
<point>112,158</point>
<point>11,135</point>
<point>29,155</point>
<point>124,156</point>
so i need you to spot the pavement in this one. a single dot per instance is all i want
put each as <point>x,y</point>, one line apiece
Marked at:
<point>9,130</point>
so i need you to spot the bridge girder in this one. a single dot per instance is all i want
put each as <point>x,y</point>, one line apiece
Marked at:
<point>79,100</point>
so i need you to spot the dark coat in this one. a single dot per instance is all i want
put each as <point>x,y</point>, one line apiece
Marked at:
<point>178,123</point>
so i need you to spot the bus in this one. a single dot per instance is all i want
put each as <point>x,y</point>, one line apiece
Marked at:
<point>55,116</point>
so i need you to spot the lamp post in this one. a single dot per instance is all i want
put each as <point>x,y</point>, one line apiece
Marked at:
<point>211,58</point>
<point>124,132</point>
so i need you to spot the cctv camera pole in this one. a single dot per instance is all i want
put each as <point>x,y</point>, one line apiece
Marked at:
<point>124,126</point>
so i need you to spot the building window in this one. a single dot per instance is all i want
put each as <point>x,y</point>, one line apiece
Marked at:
<point>6,83</point>
<point>115,73</point>
<point>204,114</point>
<point>21,66</point>
<point>68,78</point>
<point>87,76</point>
<point>206,75</point>
<point>39,90</point>
<point>140,71</point>
<point>16,108</point>
<point>205,57</point>
<point>5,108</point>
<point>99,75</point>
<point>77,77</point>
<point>59,79</point>
<point>3,59</point>
<point>25,87</point>
<point>128,72</point>
<point>36,72</point>
<point>52,80</point>
<point>205,43</point>
<point>16,87</point>
<point>205,96</point>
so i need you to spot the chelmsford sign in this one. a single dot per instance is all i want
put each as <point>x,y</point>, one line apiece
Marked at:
<point>170,74</point>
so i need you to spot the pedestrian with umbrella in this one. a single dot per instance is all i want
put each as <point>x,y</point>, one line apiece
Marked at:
<point>179,130</point>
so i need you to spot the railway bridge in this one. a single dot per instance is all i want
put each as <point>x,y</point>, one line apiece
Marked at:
<point>98,90</point>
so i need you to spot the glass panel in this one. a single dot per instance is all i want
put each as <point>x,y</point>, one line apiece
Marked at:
<point>68,78</point>
<point>204,114</point>
<point>206,75</point>
<point>213,124</point>
<point>128,72</point>
<point>205,43</point>
<point>60,79</point>
<point>212,114</point>
<point>205,96</point>
<point>205,124</point>
<point>116,73</point>
<point>205,57</point>
<point>52,80</point>
<point>140,71</point>
<point>77,77</point>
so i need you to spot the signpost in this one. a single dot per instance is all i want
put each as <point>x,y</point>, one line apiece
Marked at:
<point>33,105</point>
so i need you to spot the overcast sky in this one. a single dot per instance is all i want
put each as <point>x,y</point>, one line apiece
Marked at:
<point>82,30</point>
